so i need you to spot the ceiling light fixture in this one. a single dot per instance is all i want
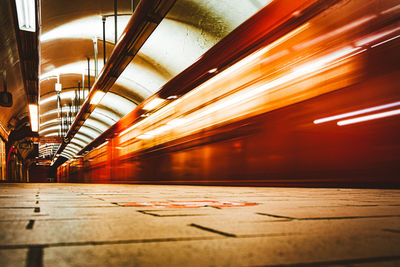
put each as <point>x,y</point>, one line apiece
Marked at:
<point>26,12</point>
<point>33,114</point>
<point>212,70</point>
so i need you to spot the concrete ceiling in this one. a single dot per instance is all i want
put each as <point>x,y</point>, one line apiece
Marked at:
<point>68,28</point>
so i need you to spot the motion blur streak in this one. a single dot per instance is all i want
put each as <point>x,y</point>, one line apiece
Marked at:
<point>377,36</point>
<point>253,121</point>
<point>336,32</point>
<point>383,42</point>
<point>246,95</point>
<point>370,117</point>
<point>358,112</point>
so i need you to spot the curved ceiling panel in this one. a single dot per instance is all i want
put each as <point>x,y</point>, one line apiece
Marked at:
<point>90,131</point>
<point>67,154</point>
<point>80,137</point>
<point>79,143</point>
<point>118,104</point>
<point>190,28</point>
<point>86,28</point>
<point>97,125</point>
<point>75,147</point>
<point>51,129</point>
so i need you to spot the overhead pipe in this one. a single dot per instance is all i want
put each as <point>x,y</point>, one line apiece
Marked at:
<point>96,63</point>
<point>61,122</point>
<point>83,89</point>
<point>143,22</point>
<point>88,74</point>
<point>79,98</point>
<point>104,40</point>
<point>115,21</point>
<point>70,114</point>
<point>75,102</point>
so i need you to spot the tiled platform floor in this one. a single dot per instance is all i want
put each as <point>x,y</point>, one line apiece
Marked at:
<point>88,225</point>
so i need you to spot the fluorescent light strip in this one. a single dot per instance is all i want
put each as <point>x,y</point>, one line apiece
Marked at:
<point>26,12</point>
<point>370,117</point>
<point>34,115</point>
<point>357,112</point>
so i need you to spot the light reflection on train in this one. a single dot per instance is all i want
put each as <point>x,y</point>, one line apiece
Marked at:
<point>317,107</point>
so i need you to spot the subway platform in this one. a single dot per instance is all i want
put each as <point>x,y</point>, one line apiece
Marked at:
<point>155,225</point>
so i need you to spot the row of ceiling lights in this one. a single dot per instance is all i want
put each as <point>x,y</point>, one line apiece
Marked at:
<point>26,13</point>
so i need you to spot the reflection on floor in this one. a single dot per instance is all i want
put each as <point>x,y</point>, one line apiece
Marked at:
<point>147,225</point>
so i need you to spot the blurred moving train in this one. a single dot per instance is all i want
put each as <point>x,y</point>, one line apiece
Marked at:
<point>304,93</point>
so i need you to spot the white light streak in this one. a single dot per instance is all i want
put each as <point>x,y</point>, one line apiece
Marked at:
<point>177,122</point>
<point>376,36</point>
<point>388,40</point>
<point>145,136</point>
<point>153,103</point>
<point>370,117</point>
<point>357,112</point>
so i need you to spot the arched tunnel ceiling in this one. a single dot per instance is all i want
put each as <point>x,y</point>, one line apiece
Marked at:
<point>190,28</point>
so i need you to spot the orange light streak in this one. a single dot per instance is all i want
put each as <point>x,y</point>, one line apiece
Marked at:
<point>333,33</point>
<point>376,36</point>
